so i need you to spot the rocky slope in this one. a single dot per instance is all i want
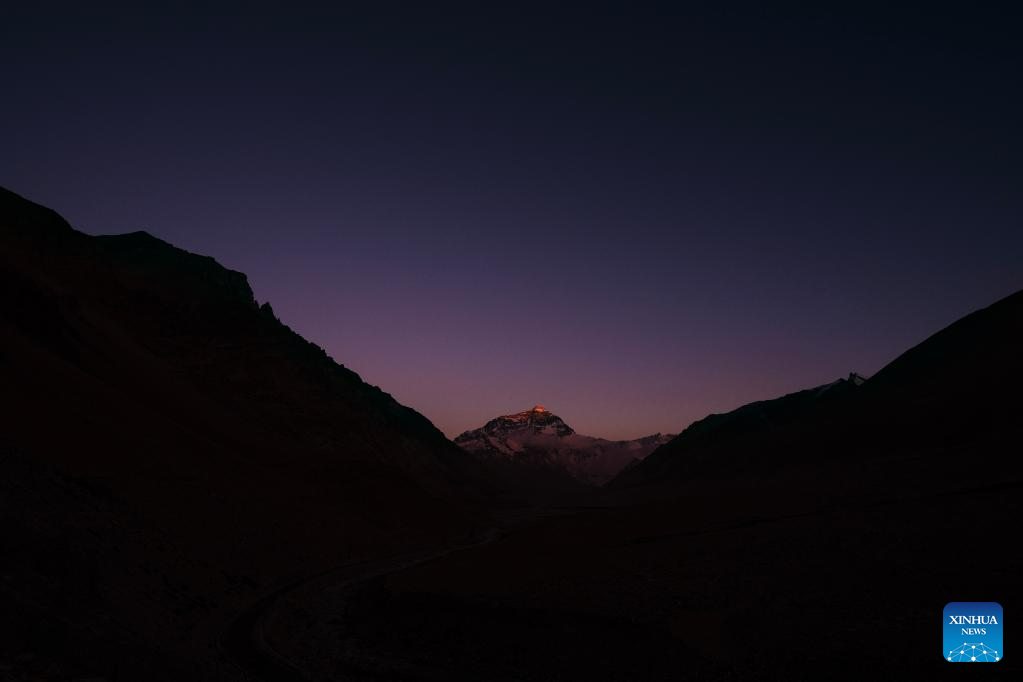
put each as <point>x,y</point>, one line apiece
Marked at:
<point>540,437</point>
<point>169,449</point>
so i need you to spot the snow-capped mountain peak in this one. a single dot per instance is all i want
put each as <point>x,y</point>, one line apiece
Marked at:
<point>538,435</point>
<point>537,420</point>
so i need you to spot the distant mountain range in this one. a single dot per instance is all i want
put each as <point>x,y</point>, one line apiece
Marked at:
<point>540,437</point>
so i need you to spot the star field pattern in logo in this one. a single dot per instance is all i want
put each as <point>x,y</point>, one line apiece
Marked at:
<point>972,652</point>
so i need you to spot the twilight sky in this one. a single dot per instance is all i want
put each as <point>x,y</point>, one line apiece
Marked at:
<point>633,216</point>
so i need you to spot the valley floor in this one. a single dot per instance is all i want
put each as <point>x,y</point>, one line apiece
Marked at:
<point>715,585</point>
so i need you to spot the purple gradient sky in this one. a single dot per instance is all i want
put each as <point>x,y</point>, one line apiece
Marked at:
<point>635,219</point>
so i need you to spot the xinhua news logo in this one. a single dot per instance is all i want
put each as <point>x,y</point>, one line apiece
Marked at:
<point>972,632</point>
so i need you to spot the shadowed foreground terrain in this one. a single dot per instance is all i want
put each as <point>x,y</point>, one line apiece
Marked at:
<point>819,534</point>
<point>189,490</point>
<point>170,450</point>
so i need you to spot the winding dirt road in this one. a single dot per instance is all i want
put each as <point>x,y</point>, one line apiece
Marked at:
<point>243,641</point>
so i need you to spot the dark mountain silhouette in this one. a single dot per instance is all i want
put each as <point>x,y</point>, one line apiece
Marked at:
<point>699,444</point>
<point>169,448</point>
<point>541,439</point>
<point>956,390</point>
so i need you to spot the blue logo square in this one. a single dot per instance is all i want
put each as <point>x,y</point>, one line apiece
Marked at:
<point>972,632</point>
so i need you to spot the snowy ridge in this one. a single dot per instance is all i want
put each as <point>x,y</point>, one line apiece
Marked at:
<point>540,436</point>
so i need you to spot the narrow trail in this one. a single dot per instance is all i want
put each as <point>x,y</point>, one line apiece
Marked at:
<point>243,642</point>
